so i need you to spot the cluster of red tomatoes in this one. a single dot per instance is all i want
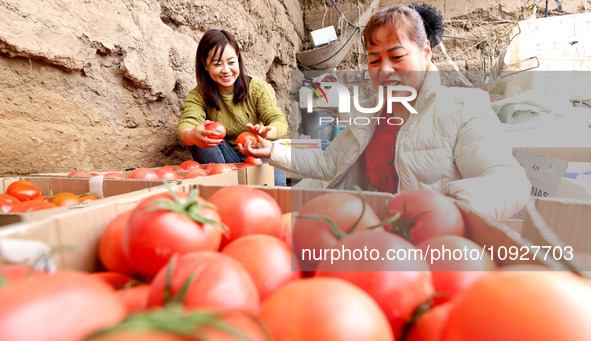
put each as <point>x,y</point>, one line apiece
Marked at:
<point>186,170</point>
<point>23,197</point>
<point>233,267</point>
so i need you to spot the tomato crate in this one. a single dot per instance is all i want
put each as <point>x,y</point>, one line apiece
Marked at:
<point>103,188</point>
<point>259,175</point>
<point>83,228</point>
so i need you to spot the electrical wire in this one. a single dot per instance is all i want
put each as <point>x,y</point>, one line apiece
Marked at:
<point>483,51</point>
<point>342,15</point>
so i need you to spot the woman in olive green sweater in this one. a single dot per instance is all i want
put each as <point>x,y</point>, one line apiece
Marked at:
<point>226,94</point>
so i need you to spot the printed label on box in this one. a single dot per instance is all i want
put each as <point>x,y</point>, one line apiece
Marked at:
<point>544,172</point>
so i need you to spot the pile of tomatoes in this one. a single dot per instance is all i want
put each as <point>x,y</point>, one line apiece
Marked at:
<point>186,170</point>
<point>23,196</point>
<point>233,267</point>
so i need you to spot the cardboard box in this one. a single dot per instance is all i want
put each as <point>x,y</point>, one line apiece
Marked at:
<point>539,47</point>
<point>560,223</point>
<point>79,230</point>
<point>83,228</point>
<point>259,175</point>
<point>101,187</point>
<point>546,168</point>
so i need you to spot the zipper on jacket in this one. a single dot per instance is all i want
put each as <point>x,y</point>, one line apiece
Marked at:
<point>396,165</point>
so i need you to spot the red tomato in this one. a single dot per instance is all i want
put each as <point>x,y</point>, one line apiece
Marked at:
<point>437,214</point>
<point>236,205</point>
<point>188,165</point>
<point>88,197</point>
<point>23,190</point>
<point>65,306</point>
<point>288,220</point>
<point>220,283</point>
<point>267,260</point>
<point>153,235</point>
<point>195,173</point>
<point>398,286</point>
<point>451,274</point>
<point>166,174</point>
<point>221,168</point>
<point>114,279</point>
<point>517,306</point>
<point>253,161</point>
<point>135,298</point>
<point>209,165</point>
<point>111,246</point>
<point>343,209</point>
<point>218,127</point>
<point>15,273</point>
<point>429,326</point>
<point>65,199</point>
<point>114,176</point>
<point>320,309</point>
<point>31,206</point>
<point>7,202</point>
<point>143,173</point>
<point>81,174</point>
<point>247,136</point>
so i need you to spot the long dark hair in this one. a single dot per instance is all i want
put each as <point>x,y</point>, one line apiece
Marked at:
<point>217,40</point>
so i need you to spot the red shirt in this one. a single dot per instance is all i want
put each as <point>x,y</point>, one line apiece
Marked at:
<point>379,157</point>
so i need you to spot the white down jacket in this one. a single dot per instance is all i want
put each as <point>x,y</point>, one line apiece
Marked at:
<point>454,144</point>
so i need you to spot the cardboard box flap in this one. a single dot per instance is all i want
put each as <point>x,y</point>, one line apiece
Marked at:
<point>559,222</point>
<point>577,154</point>
<point>486,233</point>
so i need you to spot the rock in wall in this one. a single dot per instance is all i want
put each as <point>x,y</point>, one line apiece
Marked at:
<point>96,85</point>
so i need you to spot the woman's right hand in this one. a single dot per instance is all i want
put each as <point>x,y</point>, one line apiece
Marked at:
<point>199,136</point>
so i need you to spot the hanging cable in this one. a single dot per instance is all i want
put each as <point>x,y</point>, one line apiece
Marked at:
<point>450,61</point>
<point>342,15</point>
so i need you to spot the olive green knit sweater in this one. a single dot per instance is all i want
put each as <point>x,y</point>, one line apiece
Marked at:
<point>260,107</point>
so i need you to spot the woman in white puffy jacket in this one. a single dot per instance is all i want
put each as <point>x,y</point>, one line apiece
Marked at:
<point>454,143</point>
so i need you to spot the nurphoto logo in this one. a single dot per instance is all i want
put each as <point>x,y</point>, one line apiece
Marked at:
<point>309,89</point>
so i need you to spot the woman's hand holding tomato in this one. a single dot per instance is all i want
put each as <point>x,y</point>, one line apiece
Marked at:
<point>218,129</point>
<point>247,147</point>
<point>202,137</point>
<point>247,138</point>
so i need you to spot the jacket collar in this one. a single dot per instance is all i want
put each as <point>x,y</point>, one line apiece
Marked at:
<point>428,91</point>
